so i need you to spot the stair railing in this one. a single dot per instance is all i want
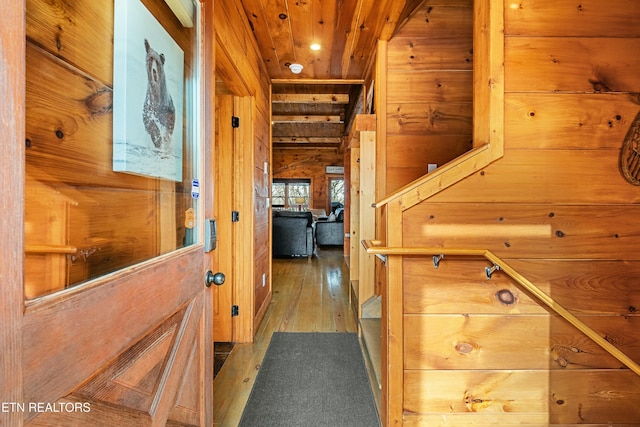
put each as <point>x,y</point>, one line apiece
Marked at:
<point>374,247</point>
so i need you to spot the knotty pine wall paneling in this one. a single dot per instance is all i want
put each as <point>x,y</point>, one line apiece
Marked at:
<point>558,210</point>
<point>429,90</point>
<point>262,229</point>
<point>347,201</point>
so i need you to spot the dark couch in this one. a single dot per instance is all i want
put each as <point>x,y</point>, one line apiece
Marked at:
<point>293,234</point>
<point>331,233</point>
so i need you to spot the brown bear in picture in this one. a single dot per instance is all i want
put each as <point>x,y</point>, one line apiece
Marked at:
<point>159,114</point>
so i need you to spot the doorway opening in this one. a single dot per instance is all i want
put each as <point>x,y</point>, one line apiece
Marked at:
<point>336,193</point>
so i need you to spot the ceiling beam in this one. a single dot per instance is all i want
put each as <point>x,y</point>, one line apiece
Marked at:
<point>307,139</point>
<point>373,20</point>
<point>318,81</point>
<point>315,98</point>
<point>315,147</point>
<point>306,119</point>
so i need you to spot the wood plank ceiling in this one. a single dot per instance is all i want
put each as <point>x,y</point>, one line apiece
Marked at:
<point>314,108</point>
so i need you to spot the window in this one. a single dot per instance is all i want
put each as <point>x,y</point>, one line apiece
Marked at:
<point>288,193</point>
<point>279,194</point>
<point>83,217</point>
<point>336,193</point>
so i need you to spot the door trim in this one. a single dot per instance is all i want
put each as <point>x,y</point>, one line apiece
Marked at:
<point>12,154</point>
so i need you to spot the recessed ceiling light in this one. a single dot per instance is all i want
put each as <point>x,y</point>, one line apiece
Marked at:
<point>315,46</point>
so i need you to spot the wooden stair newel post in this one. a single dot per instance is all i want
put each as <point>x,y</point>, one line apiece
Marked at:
<point>392,325</point>
<point>366,265</point>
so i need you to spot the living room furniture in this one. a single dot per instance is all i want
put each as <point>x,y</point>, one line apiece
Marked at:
<point>318,214</point>
<point>293,234</point>
<point>330,232</point>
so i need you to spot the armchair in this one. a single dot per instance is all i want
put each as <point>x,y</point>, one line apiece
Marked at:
<point>293,234</point>
<point>331,232</point>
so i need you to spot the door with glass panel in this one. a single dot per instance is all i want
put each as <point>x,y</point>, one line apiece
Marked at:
<point>114,325</point>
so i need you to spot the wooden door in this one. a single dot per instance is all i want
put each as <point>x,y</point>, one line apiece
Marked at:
<point>130,348</point>
<point>234,308</point>
<point>224,206</point>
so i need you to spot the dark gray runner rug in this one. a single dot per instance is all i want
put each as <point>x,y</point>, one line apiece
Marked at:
<point>312,379</point>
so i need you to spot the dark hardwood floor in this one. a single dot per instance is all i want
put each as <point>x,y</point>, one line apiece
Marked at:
<point>308,296</point>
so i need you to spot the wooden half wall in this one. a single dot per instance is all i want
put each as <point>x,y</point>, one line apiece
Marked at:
<point>555,207</point>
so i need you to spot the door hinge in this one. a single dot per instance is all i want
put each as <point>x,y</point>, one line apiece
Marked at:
<point>235,122</point>
<point>235,216</point>
<point>234,310</point>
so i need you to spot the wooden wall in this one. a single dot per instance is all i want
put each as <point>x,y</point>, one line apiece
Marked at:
<point>243,71</point>
<point>73,198</point>
<point>557,208</point>
<point>311,164</point>
<point>429,90</point>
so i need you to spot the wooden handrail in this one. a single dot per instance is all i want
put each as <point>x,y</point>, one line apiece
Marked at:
<point>374,247</point>
<point>50,249</point>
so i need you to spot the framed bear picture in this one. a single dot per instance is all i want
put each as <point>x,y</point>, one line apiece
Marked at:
<point>148,95</point>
